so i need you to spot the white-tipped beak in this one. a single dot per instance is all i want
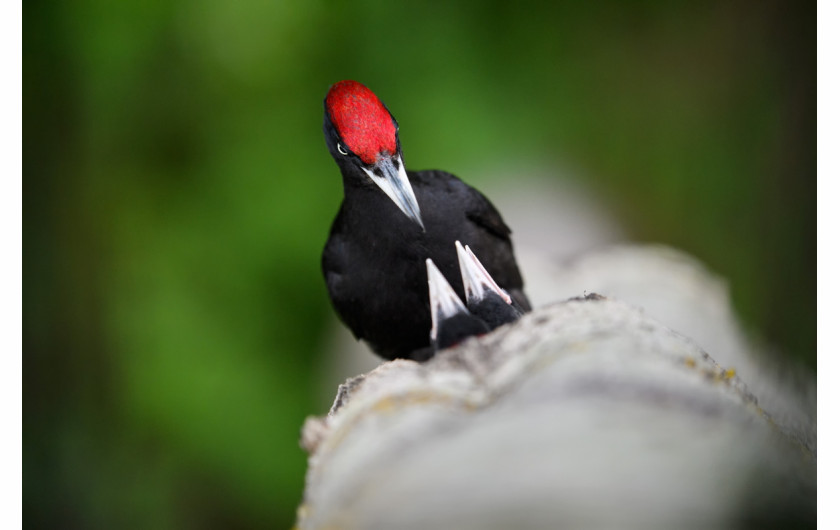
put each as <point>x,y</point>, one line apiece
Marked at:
<point>475,277</point>
<point>389,174</point>
<point>442,298</point>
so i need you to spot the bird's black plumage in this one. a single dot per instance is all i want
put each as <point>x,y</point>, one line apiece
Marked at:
<point>374,259</point>
<point>494,311</point>
<point>457,328</point>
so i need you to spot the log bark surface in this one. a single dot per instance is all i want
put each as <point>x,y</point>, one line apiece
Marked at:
<point>585,413</point>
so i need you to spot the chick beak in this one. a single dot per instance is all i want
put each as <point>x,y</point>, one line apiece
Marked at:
<point>475,277</point>
<point>442,299</point>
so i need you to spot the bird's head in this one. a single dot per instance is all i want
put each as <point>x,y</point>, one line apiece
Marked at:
<point>362,136</point>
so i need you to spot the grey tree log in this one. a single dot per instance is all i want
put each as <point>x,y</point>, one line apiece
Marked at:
<point>585,413</point>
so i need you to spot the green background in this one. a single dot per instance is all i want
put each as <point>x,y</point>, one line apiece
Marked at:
<point>178,193</point>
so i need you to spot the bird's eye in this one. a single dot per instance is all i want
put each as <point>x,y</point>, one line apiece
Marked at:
<point>342,150</point>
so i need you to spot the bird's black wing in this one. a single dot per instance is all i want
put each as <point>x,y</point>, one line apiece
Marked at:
<point>474,204</point>
<point>483,213</point>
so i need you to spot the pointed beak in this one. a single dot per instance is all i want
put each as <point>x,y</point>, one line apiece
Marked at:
<point>442,298</point>
<point>475,277</point>
<point>389,174</point>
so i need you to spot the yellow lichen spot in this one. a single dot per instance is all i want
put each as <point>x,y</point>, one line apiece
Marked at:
<point>384,405</point>
<point>729,373</point>
<point>690,362</point>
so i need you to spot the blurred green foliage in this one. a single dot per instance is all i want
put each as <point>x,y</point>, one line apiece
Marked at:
<point>178,194</point>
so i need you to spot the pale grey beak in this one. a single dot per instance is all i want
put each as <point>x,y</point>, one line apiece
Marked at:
<point>475,277</point>
<point>389,174</point>
<point>442,298</point>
